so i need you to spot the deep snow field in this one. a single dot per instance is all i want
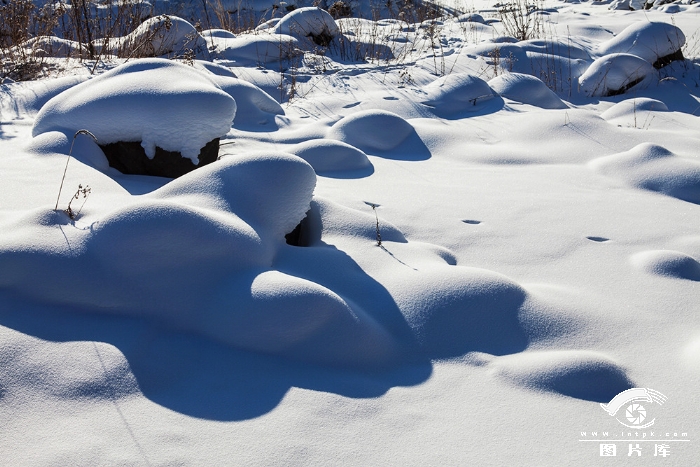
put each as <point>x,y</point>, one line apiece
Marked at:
<point>496,236</point>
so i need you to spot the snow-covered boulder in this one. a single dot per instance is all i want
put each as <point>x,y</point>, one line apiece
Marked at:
<point>156,102</point>
<point>309,23</point>
<point>614,74</point>
<point>656,42</point>
<point>527,89</point>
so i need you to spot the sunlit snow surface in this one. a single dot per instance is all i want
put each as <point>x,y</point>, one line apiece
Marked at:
<point>486,252</point>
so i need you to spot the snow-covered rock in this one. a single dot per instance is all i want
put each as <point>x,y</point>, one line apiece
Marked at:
<point>656,42</point>
<point>310,23</point>
<point>161,35</point>
<point>158,102</point>
<point>614,74</point>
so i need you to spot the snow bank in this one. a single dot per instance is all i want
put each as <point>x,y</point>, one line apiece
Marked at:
<point>655,168</point>
<point>526,89</point>
<point>577,373</point>
<point>668,263</point>
<point>655,42</point>
<point>372,130</point>
<point>614,74</point>
<point>158,102</point>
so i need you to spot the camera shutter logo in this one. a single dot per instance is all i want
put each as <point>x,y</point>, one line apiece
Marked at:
<point>632,406</point>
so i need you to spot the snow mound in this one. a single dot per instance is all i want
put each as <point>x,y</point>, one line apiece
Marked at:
<point>311,25</point>
<point>256,48</point>
<point>655,42</point>
<point>51,46</point>
<point>161,35</point>
<point>691,353</point>
<point>462,309</point>
<point>371,130</point>
<point>253,105</point>
<point>274,312</point>
<point>155,101</point>
<point>326,155</point>
<point>271,192</point>
<point>614,74</point>
<point>581,374</point>
<point>28,97</point>
<point>457,92</point>
<point>339,221</point>
<point>668,263</point>
<point>631,107</point>
<point>652,167</point>
<point>86,370</point>
<point>527,89</point>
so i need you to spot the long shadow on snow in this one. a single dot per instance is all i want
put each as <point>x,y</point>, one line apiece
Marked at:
<point>196,376</point>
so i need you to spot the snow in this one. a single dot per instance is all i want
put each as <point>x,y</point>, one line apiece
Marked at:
<point>426,244</point>
<point>649,40</point>
<point>611,74</point>
<point>157,102</point>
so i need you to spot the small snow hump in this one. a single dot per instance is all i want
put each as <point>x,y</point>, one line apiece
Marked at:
<point>527,89</point>
<point>372,130</point>
<point>328,156</point>
<point>581,374</point>
<point>655,168</point>
<point>457,92</point>
<point>668,263</point>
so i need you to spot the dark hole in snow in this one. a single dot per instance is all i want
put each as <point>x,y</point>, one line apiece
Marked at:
<point>130,158</point>
<point>667,59</point>
<point>323,38</point>
<point>623,89</point>
<point>300,236</point>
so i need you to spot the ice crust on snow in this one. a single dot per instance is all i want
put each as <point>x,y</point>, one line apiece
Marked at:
<point>157,102</point>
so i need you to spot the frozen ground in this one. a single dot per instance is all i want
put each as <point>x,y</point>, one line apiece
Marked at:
<point>539,253</point>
